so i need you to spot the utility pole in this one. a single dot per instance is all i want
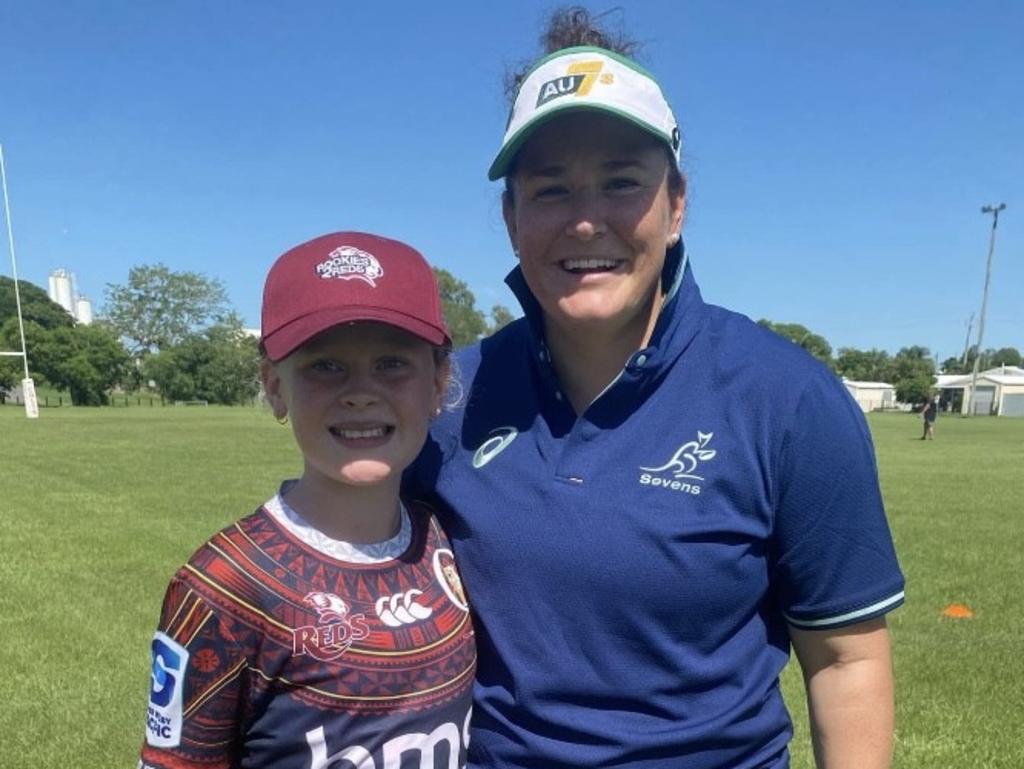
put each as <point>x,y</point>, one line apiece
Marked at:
<point>994,210</point>
<point>967,341</point>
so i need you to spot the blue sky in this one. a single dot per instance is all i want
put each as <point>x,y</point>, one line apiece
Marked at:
<point>838,153</point>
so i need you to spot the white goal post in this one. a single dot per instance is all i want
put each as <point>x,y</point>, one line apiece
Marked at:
<point>28,388</point>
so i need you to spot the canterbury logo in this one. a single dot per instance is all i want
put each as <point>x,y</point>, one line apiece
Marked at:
<point>580,78</point>
<point>498,441</point>
<point>687,457</point>
<point>402,608</point>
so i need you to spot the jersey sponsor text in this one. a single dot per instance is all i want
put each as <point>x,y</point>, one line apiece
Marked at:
<point>394,751</point>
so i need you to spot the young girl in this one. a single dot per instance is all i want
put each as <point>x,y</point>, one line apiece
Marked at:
<point>329,628</point>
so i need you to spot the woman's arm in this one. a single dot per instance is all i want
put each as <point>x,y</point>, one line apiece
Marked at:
<point>848,676</point>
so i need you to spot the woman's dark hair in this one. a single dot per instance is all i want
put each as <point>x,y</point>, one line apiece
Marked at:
<point>568,27</point>
<point>571,26</point>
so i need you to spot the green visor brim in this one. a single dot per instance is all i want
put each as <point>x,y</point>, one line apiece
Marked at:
<point>510,149</point>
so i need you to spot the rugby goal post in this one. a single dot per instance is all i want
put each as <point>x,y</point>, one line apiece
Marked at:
<point>28,388</point>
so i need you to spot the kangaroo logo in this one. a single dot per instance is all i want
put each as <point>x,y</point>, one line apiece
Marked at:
<point>687,457</point>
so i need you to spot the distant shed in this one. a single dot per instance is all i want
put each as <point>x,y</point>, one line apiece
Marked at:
<point>1000,391</point>
<point>872,396</point>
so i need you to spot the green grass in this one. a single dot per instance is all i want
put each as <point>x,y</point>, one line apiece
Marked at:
<point>99,506</point>
<point>956,507</point>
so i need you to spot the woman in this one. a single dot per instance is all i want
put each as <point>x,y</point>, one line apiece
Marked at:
<point>646,505</point>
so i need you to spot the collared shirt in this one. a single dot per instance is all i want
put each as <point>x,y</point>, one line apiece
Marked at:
<point>634,569</point>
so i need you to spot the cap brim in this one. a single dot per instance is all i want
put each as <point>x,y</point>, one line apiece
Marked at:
<point>289,338</point>
<point>510,149</point>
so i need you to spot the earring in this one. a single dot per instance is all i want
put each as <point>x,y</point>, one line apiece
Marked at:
<point>673,239</point>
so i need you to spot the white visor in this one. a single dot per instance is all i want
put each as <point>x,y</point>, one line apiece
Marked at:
<point>586,78</point>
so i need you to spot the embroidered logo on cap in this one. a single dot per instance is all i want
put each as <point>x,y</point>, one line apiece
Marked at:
<point>348,262</point>
<point>579,80</point>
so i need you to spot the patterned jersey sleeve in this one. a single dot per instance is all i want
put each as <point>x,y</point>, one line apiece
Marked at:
<point>834,563</point>
<point>192,719</point>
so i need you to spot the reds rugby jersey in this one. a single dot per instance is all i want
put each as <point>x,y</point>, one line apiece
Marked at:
<point>272,654</point>
<point>635,569</point>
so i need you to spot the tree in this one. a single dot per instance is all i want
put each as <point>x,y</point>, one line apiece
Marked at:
<point>36,306</point>
<point>501,316</point>
<point>913,374</point>
<point>953,365</point>
<point>85,360</point>
<point>864,365</point>
<point>913,362</point>
<point>158,307</point>
<point>466,324</point>
<point>1004,356</point>
<point>916,390</point>
<point>11,370</point>
<point>221,365</point>
<point>815,344</point>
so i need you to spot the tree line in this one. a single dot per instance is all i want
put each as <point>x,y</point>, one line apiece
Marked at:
<point>175,333</point>
<point>169,332</point>
<point>911,370</point>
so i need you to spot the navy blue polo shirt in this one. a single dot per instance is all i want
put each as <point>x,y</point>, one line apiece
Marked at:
<point>633,570</point>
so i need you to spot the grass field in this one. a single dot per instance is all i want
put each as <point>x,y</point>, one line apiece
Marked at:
<point>99,506</point>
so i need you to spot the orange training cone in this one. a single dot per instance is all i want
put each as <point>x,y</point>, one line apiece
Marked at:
<point>957,611</point>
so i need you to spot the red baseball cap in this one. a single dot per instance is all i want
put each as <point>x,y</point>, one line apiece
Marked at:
<point>345,277</point>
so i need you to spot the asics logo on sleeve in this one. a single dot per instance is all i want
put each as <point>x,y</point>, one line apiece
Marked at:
<point>402,609</point>
<point>498,440</point>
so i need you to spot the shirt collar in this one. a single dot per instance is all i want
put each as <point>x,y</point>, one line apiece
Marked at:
<point>678,320</point>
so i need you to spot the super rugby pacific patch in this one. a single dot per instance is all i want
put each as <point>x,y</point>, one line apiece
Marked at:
<point>164,714</point>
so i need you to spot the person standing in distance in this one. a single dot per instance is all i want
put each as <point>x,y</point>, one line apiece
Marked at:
<point>929,411</point>
<point>330,626</point>
<point>650,497</point>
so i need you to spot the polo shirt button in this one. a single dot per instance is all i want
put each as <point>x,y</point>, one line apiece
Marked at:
<point>641,360</point>
<point>558,395</point>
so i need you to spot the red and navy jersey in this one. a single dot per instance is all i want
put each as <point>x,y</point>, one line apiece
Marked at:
<point>271,654</point>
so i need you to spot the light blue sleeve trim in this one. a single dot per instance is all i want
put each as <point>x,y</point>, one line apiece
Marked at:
<point>841,619</point>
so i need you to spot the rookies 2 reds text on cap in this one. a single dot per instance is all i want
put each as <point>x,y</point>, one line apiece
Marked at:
<point>344,277</point>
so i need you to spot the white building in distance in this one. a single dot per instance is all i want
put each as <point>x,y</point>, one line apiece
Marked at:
<point>1000,391</point>
<point>62,290</point>
<point>872,396</point>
